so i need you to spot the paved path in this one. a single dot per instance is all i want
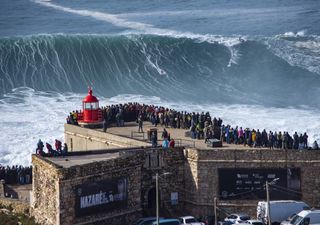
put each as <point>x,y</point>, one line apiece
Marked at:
<point>70,161</point>
<point>131,130</point>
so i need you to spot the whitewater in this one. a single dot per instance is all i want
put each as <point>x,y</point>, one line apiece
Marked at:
<point>195,56</point>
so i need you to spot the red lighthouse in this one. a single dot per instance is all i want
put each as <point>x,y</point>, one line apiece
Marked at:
<point>91,113</point>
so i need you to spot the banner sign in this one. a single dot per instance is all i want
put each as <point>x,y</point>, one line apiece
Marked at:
<point>174,198</point>
<point>249,183</point>
<point>101,196</point>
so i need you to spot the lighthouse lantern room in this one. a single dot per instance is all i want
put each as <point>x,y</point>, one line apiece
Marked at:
<point>91,113</point>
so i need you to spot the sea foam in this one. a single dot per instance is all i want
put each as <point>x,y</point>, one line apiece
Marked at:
<point>29,115</point>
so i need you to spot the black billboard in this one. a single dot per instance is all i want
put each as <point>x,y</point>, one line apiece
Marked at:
<point>101,196</point>
<point>249,183</point>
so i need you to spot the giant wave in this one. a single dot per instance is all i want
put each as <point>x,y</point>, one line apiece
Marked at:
<point>276,71</point>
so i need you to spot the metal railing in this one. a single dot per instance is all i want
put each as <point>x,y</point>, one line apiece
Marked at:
<point>179,142</point>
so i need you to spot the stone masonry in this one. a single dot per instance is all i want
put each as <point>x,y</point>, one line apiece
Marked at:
<point>201,169</point>
<point>54,189</point>
<point>192,175</point>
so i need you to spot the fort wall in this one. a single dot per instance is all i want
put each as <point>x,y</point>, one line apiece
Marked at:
<point>83,139</point>
<point>189,178</point>
<point>55,190</point>
<point>203,169</point>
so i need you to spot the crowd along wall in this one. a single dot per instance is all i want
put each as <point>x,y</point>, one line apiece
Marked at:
<point>207,170</point>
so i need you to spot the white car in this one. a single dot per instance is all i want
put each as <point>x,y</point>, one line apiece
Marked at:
<point>250,222</point>
<point>189,220</point>
<point>237,218</point>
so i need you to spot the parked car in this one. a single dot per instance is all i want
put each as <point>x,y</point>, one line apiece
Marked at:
<point>255,222</point>
<point>306,217</point>
<point>289,220</point>
<point>147,220</point>
<point>189,220</point>
<point>279,210</point>
<point>225,223</point>
<point>167,222</point>
<point>237,218</point>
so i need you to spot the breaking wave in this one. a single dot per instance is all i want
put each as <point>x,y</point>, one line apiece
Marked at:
<point>280,71</point>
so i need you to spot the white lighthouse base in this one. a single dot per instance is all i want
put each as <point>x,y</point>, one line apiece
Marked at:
<point>91,125</point>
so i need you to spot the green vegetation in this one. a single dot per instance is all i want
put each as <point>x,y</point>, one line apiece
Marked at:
<point>15,219</point>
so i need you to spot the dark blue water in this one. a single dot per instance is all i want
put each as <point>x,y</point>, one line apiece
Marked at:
<point>250,17</point>
<point>254,63</point>
<point>226,49</point>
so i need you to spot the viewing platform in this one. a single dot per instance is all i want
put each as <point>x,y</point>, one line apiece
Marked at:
<point>130,130</point>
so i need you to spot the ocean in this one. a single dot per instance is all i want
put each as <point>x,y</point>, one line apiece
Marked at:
<point>253,63</point>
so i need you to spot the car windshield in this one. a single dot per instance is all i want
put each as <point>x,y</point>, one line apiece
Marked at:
<point>191,220</point>
<point>292,218</point>
<point>296,220</point>
<point>244,218</point>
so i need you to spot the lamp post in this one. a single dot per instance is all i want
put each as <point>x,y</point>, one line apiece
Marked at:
<point>157,195</point>
<point>215,210</point>
<point>268,198</point>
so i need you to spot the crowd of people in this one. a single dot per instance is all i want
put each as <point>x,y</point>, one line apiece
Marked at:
<point>16,174</point>
<point>257,138</point>
<point>157,115</point>
<point>72,118</point>
<point>200,125</point>
<point>58,151</point>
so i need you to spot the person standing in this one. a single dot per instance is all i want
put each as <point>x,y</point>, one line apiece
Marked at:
<point>40,147</point>
<point>105,121</point>
<point>164,134</point>
<point>105,125</point>
<point>58,145</point>
<point>171,143</point>
<point>165,143</point>
<point>154,139</point>
<point>65,149</point>
<point>305,141</point>
<point>140,124</point>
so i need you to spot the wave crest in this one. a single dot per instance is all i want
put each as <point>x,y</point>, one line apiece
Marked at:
<point>210,68</point>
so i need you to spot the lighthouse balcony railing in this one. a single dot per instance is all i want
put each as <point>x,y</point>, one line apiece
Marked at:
<point>80,116</point>
<point>100,115</point>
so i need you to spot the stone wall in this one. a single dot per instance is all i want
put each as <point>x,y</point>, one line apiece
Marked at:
<point>55,190</point>
<point>193,175</point>
<point>2,191</point>
<point>202,167</point>
<point>171,177</point>
<point>45,186</point>
<point>82,139</point>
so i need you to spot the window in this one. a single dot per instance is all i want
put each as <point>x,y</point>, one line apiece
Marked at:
<point>91,105</point>
<point>191,221</point>
<point>296,220</point>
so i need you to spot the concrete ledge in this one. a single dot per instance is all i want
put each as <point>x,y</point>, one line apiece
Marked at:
<point>83,139</point>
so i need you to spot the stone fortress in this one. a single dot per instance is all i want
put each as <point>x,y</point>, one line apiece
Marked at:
<point>108,178</point>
